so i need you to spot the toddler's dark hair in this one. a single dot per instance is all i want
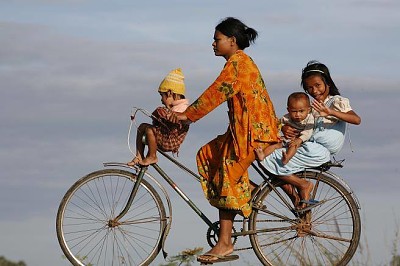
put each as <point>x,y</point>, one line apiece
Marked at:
<point>296,96</point>
<point>232,27</point>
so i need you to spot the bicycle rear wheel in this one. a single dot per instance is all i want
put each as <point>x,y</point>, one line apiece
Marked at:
<point>87,233</point>
<point>329,235</point>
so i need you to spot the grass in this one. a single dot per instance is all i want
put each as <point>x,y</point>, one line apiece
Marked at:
<point>362,257</point>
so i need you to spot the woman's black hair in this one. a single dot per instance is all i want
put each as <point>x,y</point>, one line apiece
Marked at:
<point>232,27</point>
<point>316,68</point>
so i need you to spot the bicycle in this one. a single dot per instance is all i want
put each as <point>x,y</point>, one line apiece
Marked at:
<point>122,215</point>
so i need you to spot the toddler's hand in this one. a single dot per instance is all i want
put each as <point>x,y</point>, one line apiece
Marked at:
<point>295,142</point>
<point>163,112</point>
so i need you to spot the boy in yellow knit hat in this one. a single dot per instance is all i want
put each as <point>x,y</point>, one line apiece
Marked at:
<point>162,133</point>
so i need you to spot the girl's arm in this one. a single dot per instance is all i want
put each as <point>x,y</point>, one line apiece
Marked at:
<point>349,117</point>
<point>290,132</point>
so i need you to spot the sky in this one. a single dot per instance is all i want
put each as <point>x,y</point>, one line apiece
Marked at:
<point>71,70</point>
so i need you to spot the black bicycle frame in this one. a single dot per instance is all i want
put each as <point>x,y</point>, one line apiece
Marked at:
<point>174,186</point>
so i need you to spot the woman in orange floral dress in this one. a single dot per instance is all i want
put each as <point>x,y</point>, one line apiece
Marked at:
<point>223,162</point>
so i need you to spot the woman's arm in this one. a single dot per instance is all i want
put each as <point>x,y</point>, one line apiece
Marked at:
<point>218,92</point>
<point>349,117</point>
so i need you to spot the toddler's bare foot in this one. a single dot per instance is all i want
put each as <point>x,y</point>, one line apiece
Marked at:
<point>149,160</point>
<point>262,153</point>
<point>259,153</point>
<point>285,159</point>
<point>304,193</point>
<point>135,161</point>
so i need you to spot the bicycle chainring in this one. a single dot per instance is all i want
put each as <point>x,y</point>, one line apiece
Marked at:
<point>212,236</point>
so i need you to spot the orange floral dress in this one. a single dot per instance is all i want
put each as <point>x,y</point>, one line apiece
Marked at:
<point>223,162</point>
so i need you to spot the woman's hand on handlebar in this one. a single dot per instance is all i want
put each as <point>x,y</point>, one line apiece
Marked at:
<point>176,117</point>
<point>290,132</point>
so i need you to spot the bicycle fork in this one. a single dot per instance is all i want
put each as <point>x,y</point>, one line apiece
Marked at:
<point>115,222</point>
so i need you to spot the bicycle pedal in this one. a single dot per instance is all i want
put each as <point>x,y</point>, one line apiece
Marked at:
<point>311,204</point>
<point>260,206</point>
<point>310,201</point>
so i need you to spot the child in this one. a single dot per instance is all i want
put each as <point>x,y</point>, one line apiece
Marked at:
<point>299,116</point>
<point>333,112</point>
<point>162,133</point>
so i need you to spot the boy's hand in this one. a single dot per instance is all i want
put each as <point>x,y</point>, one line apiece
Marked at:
<point>163,112</point>
<point>295,142</point>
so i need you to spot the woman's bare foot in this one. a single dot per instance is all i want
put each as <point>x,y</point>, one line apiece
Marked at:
<point>304,193</point>
<point>135,161</point>
<point>149,160</point>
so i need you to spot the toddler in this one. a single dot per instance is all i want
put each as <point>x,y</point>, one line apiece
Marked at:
<point>163,134</point>
<point>299,117</point>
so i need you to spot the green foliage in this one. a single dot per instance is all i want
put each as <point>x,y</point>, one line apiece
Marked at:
<point>80,258</point>
<point>5,262</point>
<point>395,261</point>
<point>184,258</point>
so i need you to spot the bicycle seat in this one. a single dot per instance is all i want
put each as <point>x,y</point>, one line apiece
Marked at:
<point>326,166</point>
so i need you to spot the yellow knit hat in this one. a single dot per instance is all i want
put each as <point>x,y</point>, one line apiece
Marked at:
<point>173,82</point>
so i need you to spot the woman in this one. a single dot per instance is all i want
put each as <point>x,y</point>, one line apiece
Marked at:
<point>223,162</point>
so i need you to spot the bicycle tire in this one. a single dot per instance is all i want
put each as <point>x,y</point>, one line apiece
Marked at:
<point>83,220</point>
<point>333,232</point>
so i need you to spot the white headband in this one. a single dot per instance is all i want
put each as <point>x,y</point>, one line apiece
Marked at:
<point>315,70</point>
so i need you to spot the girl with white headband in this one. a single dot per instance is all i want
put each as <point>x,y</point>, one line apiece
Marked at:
<point>331,112</point>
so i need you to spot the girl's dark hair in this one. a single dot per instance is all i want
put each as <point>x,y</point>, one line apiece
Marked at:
<point>232,27</point>
<point>316,68</point>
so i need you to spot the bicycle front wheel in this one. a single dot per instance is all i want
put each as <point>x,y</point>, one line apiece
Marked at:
<point>327,235</point>
<point>87,231</point>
